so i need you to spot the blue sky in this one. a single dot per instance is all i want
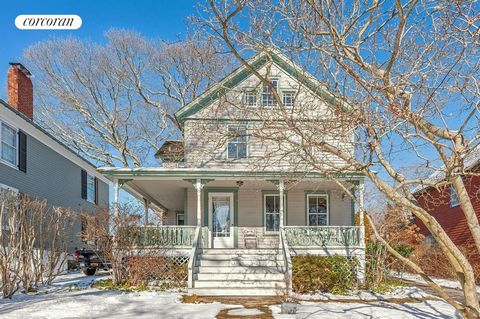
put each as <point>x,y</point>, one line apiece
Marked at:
<point>153,18</point>
<point>160,19</point>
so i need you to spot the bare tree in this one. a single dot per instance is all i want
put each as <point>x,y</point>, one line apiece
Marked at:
<point>33,242</point>
<point>403,76</point>
<point>113,103</point>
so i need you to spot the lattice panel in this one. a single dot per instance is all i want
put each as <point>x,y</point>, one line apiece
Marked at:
<point>165,272</point>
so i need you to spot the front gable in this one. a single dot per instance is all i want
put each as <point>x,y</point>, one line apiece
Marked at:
<point>243,79</point>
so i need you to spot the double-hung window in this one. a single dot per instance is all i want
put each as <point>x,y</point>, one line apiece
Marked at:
<point>89,187</point>
<point>454,201</point>
<point>268,98</point>
<point>272,212</point>
<point>250,98</point>
<point>288,99</point>
<point>237,142</point>
<point>8,145</point>
<point>317,209</point>
<point>180,219</point>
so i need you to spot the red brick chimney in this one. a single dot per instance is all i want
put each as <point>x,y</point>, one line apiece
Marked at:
<point>20,89</point>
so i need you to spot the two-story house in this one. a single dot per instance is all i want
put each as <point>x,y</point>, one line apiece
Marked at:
<point>35,163</point>
<point>236,208</point>
<point>442,203</point>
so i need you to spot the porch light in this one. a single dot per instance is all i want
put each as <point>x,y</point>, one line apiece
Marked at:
<point>239,183</point>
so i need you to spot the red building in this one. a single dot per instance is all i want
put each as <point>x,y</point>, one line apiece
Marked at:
<point>443,204</point>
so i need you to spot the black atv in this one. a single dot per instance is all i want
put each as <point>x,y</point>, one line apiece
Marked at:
<point>89,261</point>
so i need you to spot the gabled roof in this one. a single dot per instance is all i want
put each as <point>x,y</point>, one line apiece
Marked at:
<point>243,72</point>
<point>471,161</point>
<point>52,142</point>
<point>171,151</point>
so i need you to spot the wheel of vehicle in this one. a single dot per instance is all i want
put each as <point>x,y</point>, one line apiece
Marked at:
<point>89,271</point>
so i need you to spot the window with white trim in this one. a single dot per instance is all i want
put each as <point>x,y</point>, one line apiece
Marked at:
<point>180,219</point>
<point>91,188</point>
<point>8,145</point>
<point>237,142</point>
<point>288,99</point>
<point>271,203</point>
<point>454,201</point>
<point>317,209</point>
<point>250,98</point>
<point>268,98</point>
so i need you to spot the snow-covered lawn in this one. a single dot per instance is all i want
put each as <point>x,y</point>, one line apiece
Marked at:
<point>333,310</point>
<point>71,297</point>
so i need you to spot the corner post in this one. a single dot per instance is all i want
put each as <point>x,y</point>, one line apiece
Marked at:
<point>281,189</point>
<point>116,191</point>
<point>361,212</point>
<point>146,204</point>
<point>198,186</point>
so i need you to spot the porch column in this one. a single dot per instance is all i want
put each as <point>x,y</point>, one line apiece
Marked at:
<point>361,255</point>
<point>281,188</point>
<point>198,186</point>
<point>116,190</point>
<point>146,205</point>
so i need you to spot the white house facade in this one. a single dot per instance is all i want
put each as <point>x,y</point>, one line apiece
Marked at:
<point>238,205</point>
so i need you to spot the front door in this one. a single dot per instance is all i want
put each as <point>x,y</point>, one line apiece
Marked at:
<point>220,207</point>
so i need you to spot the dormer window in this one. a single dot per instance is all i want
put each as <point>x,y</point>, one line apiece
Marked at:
<point>250,98</point>
<point>268,98</point>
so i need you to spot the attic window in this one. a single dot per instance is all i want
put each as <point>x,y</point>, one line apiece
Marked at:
<point>250,98</point>
<point>288,99</point>
<point>268,98</point>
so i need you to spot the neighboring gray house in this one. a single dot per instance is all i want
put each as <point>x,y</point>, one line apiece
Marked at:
<point>34,162</point>
<point>236,209</point>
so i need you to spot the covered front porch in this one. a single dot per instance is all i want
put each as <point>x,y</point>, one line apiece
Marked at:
<point>296,213</point>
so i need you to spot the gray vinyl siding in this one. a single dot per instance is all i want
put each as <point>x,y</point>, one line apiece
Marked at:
<point>54,178</point>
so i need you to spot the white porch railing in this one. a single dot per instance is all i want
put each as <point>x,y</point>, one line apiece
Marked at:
<point>323,236</point>
<point>176,236</point>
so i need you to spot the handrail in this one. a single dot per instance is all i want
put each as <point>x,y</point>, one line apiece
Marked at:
<point>323,236</point>
<point>168,235</point>
<point>288,261</point>
<point>193,256</point>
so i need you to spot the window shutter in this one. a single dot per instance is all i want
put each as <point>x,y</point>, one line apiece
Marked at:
<point>22,151</point>
<point>84,184</point>
<point>96,191</point>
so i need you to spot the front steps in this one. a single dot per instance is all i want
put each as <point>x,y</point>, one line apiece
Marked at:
<point>239,272</point>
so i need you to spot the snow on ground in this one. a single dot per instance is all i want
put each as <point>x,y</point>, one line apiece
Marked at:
<point>71,297</point>
<point>397,292</point>
<point>373,310</point>
<point>446,283</point>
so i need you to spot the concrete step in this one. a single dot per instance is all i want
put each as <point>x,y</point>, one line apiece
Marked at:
<point>231,251</point>
<point>226,263</point>
<point>239,257</point>
<point>235,291</point>
<point>239,284</point>
<point>236,276</point>
<point>240,270</point>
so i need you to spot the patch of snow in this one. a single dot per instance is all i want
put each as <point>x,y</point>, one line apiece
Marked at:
<point>397,292</point>
<point>374,310</point>
<point>446,283</point>
<point>245,312</point>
